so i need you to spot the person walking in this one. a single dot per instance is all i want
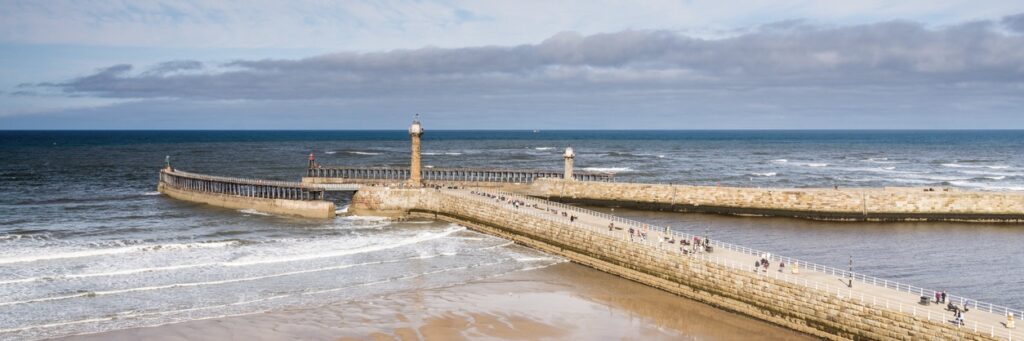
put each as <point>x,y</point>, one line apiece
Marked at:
<point>943,297</point>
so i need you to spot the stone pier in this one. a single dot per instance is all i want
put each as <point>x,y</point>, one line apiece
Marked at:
<point>850,204</point>
<point>815,301</point>
<point>276,197</point>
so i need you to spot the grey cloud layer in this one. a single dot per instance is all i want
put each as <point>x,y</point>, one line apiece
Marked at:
<point>784,55</point>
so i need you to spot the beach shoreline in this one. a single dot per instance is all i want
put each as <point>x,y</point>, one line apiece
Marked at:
<point>563,301</point>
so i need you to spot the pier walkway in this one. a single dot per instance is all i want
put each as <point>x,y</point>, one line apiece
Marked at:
<point>984,318</point>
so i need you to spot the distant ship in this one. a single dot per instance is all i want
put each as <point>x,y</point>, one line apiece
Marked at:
<point>536,131</point>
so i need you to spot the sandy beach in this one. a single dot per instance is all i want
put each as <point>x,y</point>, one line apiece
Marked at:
<point>564,301</point>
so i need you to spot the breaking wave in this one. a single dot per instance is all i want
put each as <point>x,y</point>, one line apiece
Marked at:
<point>115,251</point>
<point>608,169</point>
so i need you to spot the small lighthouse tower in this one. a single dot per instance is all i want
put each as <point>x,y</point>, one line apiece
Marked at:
<point>569,156</point>
<point>415,131</point>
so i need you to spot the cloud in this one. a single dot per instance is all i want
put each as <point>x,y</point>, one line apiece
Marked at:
<point>174,66</point>
<point>785,55</point>
<point>1014,22</point>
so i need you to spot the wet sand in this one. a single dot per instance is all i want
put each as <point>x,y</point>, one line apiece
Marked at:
<point>564,301</point>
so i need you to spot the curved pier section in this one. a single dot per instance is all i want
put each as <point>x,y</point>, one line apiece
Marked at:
<point>277,197</point>
<point>807,297</point>
<point>463,176</point>
<point>854,204</point>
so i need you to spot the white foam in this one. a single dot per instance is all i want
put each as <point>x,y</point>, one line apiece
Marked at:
<point>151,193</point>
<point>544,148</point>
<point>497,246</point>
<point>957,165</point>
<point>110,273</point>
<point>430,153</point>
<point>534,259</point>
<point>888,168</point>
<point>608,169</point>
<point>254,212</point>
<point>330,152</point>
<point>767,174</point>
<point>115,251</point>
<point>192,284</point>
<point>452,153</point>
<point>815,164</point>
<point>362,153</point>
<point>364,218</point>
<point>779,161</point>
<point>990,187</point>
<point>883,160</point>
<point>996,177</point>
<point>422,237</point>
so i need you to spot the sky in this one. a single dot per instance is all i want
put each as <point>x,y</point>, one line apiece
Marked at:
<point>784,64</point>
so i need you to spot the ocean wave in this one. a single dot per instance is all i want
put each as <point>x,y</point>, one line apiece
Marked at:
<point>883,160</point>
<point>151,193</point>
<point>632,155</point>
<point>453,153</point>
<point>107,274</point>
<point>422,237</point>
<point>767,174</point>
<point>608,169</point>
<point>988,186</point>
<point>816,164</point>
<point>115,251</point>
<point>200,265</point>
<point>544,148</point>
<point>989,173</point>
<point>191,284</point>
<point>779,161</point>
<point>254,212</point>
<point>361,153</point>
<point>330,152</point>
<point>534,259</point>
<point>958,165</point>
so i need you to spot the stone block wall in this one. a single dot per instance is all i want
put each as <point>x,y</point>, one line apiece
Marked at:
<point>804,309</point>
<point>301,208</point>
<point>825,204</point>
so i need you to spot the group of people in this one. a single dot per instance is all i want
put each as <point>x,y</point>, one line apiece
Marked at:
<point>763,264</point>
<point>516,203</point>
<point>958,313</point>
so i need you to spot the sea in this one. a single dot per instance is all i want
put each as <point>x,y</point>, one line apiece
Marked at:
<point>87,245</point>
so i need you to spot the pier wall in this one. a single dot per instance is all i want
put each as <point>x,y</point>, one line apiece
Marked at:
<point>854,204</point>
<point>301,208</point>
<point>829,315</point>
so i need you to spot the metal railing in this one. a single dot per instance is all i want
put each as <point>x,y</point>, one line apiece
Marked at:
<point>451,174</point>
<point>804,265</point>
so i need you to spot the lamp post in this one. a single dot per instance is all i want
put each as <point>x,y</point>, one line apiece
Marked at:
<point>850,284</point>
